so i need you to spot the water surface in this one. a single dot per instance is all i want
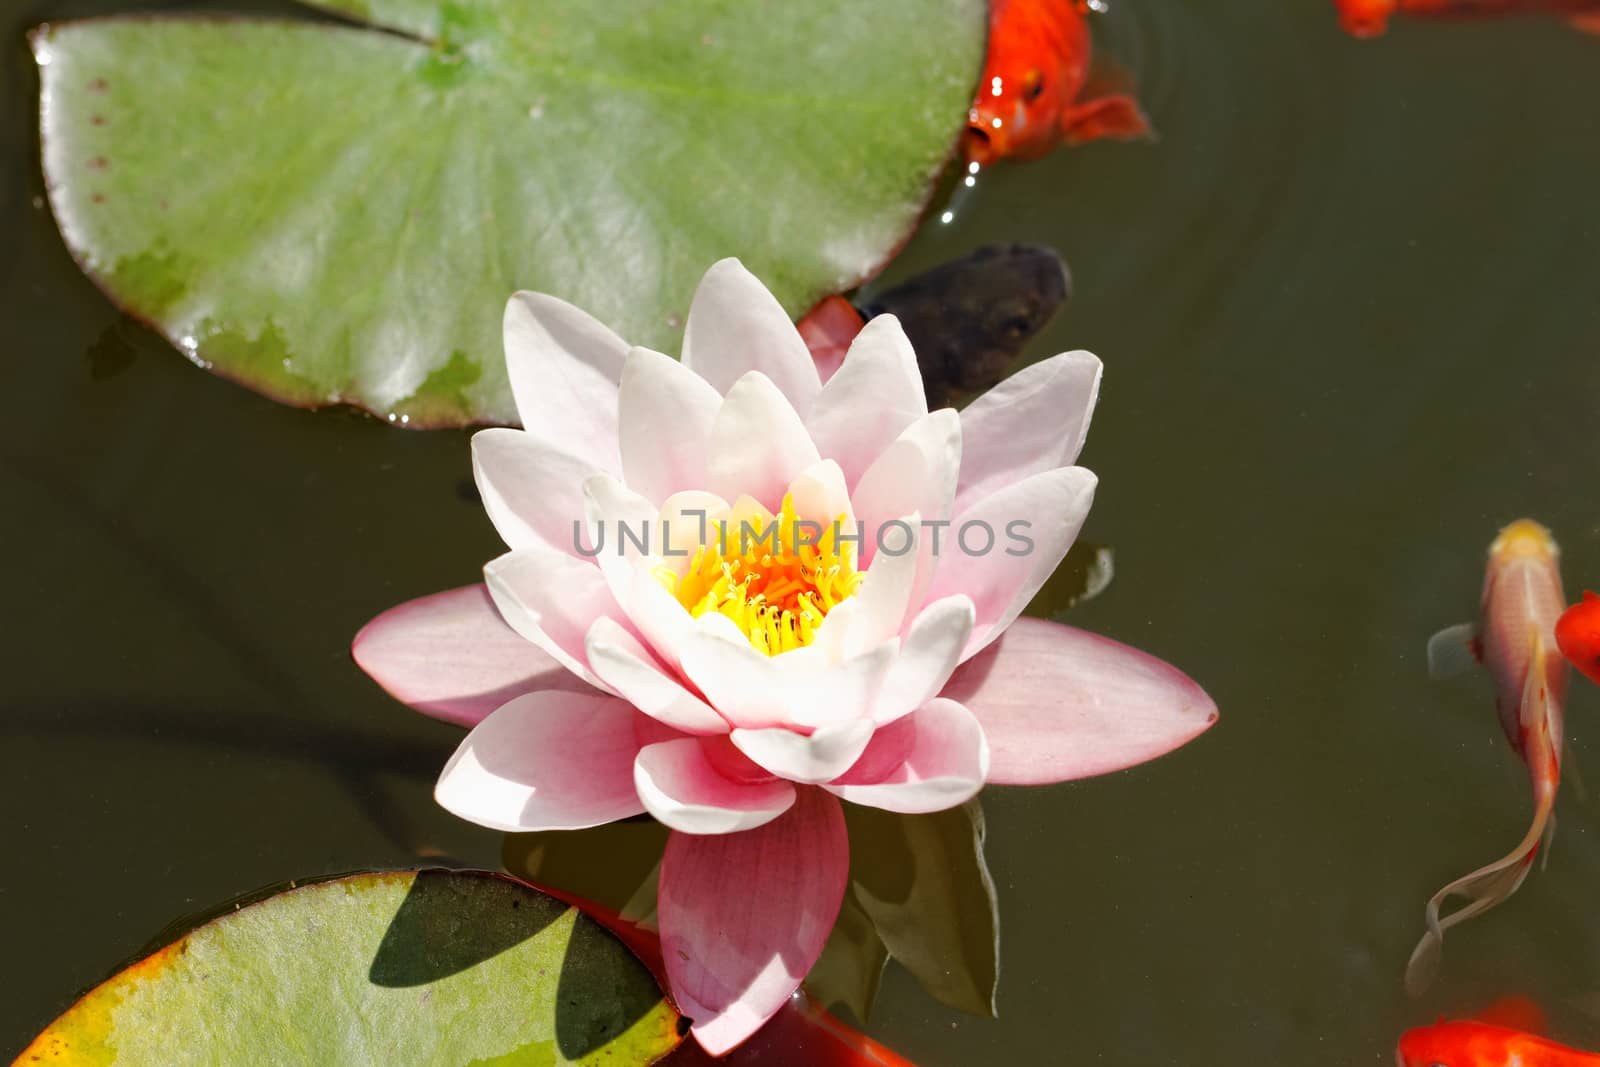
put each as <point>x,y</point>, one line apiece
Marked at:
<point>1349,315</point>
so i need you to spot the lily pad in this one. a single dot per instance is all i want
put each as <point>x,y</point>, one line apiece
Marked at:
<point>336,213</point>
<point>424,967</point>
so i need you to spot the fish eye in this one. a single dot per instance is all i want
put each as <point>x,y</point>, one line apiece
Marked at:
<point>1032,85</point>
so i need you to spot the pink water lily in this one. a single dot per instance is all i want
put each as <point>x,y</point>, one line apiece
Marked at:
<point>633,652</point>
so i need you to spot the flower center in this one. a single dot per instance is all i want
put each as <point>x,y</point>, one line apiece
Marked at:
<point>777,584</point>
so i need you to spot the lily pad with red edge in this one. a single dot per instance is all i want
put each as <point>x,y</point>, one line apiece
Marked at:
<point>334,213</point>
<point>418,967</point>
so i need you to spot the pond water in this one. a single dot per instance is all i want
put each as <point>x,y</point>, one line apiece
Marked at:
<point>1348,311</point>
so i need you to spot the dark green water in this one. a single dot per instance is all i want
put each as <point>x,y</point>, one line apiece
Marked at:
<point>1349,312</point>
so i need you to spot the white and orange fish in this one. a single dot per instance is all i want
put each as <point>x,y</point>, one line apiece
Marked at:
<point>1515,640</point>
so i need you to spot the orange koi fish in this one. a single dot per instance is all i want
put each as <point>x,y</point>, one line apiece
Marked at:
<point>1502,1036</point>
<point>1515,640</point>
<point>1034,93</point>
<point>1369,18</point>
<point>1578,636</point>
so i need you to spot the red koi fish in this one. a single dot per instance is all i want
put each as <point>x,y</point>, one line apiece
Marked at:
<point>1515,640</point>
<point>1504,1035</point>
<point>1035,88</point>
<point>1369,18</point>
<point>1578,636</point>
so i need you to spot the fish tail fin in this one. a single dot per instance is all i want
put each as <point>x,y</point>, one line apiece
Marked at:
<point>1493,883</point>
<point>1515,1013</point>
<point>1481,890</point>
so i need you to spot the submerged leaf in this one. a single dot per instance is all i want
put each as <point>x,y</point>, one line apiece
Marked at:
<point>425,967</point>
<point>923,881</point>
<point>336,214</point>
<point>850,968</point>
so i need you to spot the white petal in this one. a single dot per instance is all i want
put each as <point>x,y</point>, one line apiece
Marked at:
<point>928,656</point>
<point>937,758</point>
<point>741,683</point>
<point>624,529</point>
<point>545,761</point>
<point>881,604</point>
<point>551,599</point>
<point>564,368</point>
<point>620,660</point>
<point>532,491</point>
<point>1032,525</point>
<point>917,473</point>
<point>820,495</point>
<point>817,692</point>
<point>1033,421</point>
<point>735,326</point>
<point>875,395</point>
<point>758,443</point>
<point>820,757</point>
<point>666,411</point>
<point>688,520</point>
<point>681,787</point>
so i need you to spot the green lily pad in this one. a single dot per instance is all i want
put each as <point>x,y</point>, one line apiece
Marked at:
<point>417,967</point>
<point>336,214</point>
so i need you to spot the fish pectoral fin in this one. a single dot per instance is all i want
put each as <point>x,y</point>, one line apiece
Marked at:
<point>1118,116</point>
<point>1453,650</point>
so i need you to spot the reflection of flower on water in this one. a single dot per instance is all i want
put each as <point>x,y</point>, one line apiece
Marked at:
<point>734,692</point>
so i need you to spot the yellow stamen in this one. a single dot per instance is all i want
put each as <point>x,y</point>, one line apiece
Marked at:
<point>771,582</point>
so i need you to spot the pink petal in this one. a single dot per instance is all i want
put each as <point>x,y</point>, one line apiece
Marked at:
<point>928,655</point>
<point>818,757</point>
<point>930,760</point>
<point>564,368</point>
<point>546,761</point>
<point>680,785</point>
<point>744,916</point>
<point>875,395</point>
<point>736,326</point>
<point>452,656</point>
<point>1035,420</point>
<point>997,570</point>
<point>552,600</point>
<point>758,443</point>
<point>623,663</point>
<point>532,492</point>
<point>665,412</point>
<point>1058,703</point>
